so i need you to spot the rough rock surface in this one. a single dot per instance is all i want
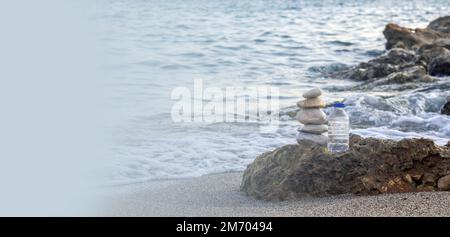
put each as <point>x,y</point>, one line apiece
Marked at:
<point>371,166</point>
<point>444,183</point>
<point>414,56</point>
<point>402,37</point>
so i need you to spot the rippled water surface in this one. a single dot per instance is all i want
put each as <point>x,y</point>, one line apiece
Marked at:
<point>157,45</point>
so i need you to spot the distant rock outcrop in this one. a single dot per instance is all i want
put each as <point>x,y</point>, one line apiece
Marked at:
<point>402,37</point>
<point>371,166</point>
<point>414,56</point>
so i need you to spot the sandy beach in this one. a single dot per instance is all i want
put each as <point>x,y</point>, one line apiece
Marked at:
<point>219,195</point>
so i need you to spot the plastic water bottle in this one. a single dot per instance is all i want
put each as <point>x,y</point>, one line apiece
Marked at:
<point>338,129</point>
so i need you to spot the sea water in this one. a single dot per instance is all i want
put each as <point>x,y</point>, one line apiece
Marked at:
<point>155,46</point>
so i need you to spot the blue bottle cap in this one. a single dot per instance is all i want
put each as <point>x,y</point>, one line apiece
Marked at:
<point>339,105</point>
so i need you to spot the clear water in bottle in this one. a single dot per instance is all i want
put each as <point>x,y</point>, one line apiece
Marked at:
<point>338,129</point>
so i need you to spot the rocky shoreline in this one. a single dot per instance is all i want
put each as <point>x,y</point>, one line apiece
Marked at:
<point>415,57</point>
<point>371,166</point>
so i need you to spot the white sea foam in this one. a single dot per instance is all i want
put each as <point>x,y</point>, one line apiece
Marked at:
<point>386,133</point>
<point>406,115</point>
<point>223,147</point>
<point>161,45</point>
<point>203,153</point>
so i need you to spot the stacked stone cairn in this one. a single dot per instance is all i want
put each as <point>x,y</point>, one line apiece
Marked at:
<point>314,120</point>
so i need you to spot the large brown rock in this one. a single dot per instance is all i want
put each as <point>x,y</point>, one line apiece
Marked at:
<point>430,44</point>
<point>402,37</point>
<point>371,166</point>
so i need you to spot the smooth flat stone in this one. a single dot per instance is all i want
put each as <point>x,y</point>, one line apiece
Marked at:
<point>311,116</point>
<point>320,139</point>
<point>316,129</point>
<point>316,92</point>
<point>317,102</point>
